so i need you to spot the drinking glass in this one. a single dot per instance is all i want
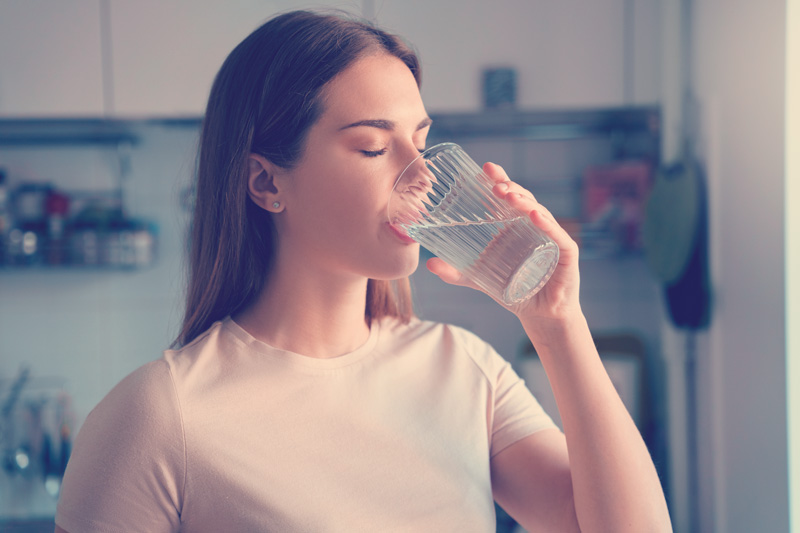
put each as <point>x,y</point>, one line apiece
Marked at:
<point>444,201</point>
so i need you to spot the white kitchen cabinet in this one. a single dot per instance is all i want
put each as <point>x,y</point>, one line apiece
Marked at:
<point>50,58</point>
<point>160,58</point>
<point>166,54</point>
<point>567,54</point>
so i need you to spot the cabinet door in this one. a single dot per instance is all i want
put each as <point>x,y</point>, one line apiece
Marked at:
<point>567,54</point>
<point>50,62</point>
<point>166,54</point>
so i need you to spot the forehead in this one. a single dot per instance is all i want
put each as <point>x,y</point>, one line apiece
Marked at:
<point>374,86</point>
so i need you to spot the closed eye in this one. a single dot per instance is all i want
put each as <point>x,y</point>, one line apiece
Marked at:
<point>373,153</point>
<point>376,153</point>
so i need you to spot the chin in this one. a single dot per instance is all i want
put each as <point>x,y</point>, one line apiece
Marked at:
<point>401,267</point>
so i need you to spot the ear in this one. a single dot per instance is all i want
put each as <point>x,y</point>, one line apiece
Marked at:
<point>263,184</point>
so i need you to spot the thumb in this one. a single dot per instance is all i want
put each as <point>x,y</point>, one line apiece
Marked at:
<point>447,273</point>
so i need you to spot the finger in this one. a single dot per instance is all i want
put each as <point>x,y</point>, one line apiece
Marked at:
<point>528,205</point>
<point>495,172</point>
<point>526,202</point>
<point>544,220</point>
<point>566,244</point>
<point>448,273</point>
<point>504,185</point>
<point>505,188</point>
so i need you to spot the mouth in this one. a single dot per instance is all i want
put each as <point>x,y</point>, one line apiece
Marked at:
<point>401,234</point>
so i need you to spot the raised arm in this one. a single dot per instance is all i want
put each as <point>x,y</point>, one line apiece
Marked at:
<point>598,475</point>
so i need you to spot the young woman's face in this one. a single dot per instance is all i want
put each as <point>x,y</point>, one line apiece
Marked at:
<point>373,124</point>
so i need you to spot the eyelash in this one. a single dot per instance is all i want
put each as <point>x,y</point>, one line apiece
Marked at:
<point>377,153</point>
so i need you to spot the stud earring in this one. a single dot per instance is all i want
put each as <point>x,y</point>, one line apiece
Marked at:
<point>276,205</point>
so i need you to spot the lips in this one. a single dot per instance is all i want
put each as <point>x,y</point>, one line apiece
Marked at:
<point>402,235</point>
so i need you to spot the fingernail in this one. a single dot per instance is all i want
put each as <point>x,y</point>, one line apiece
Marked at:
<point>503,186</point>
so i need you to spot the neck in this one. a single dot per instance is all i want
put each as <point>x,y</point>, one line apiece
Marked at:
<point>308,313</point>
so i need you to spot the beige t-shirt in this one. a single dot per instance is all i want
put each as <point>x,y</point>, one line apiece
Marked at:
<point>230,434</point>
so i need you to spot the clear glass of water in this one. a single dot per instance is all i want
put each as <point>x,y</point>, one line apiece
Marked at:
<point>444,201</point>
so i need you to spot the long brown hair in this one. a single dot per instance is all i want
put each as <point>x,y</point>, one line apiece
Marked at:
<point>264,99</point>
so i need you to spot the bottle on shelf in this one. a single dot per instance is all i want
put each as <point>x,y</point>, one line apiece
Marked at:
<point>27,237</point>
<point>56,210</point>
<point>41,225</point>
<point>5,218</point>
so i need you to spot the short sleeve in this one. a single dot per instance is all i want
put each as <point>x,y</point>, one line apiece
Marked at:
<point>517,413</point>
<point>127,468</point>
<point>513,412</point>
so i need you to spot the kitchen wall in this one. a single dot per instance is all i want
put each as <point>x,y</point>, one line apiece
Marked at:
<point>738,66</point>
<point>569,53</point>
<point>792,234</point>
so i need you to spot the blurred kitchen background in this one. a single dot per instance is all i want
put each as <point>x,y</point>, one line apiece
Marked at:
<point>588,103</point>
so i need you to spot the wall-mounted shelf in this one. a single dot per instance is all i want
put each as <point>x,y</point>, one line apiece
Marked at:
<point>569,157</point>
<point>66,132</point>
<point>47,226</point>
<point>508,124</point>
<point>547,124</point>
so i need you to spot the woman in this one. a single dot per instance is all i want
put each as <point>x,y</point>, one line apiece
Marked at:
<point>302,395</point>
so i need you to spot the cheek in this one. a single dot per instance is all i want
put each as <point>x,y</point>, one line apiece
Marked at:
<point>333,212</point>
<point>343,191</point>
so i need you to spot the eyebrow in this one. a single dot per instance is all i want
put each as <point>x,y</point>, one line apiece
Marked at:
<point>387,125</point>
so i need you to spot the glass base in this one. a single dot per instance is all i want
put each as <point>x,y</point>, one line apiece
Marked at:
<point>532,274</point>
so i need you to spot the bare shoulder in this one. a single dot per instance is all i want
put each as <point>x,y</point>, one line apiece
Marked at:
<point>60,530</point>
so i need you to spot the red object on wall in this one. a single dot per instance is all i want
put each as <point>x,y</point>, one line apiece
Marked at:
<point>614,200</point>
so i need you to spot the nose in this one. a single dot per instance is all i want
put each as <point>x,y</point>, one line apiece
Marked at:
<point>410,198</point>
<point>417,178</point>
<point>415,172</point>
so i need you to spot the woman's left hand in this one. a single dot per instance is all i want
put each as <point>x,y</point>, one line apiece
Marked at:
<point>558,299</point>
